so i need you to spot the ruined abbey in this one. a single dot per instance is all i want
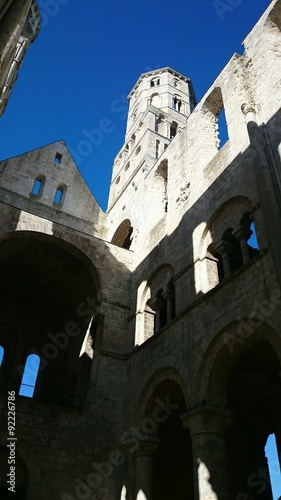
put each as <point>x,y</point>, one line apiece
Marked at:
<point>142,346</point>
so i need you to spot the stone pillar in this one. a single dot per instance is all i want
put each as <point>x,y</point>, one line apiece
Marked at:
<point>159,304</point>
<point>266,180</point>
<point>207,427</point>
<point>169,296</point>
<point>243,234</point>
<point>224,249</point>
<point>157,320</point>
<point>144,468</point>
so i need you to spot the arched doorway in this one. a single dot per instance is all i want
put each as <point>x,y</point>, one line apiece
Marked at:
<point>241,375</point>
<point>170,472</point>
<point>254,396</point>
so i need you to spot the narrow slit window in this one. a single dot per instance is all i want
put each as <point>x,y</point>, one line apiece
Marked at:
<point>58,158</point>
<point>37,187</point>
<point>271,453</point>
<point>222,129</point>
<point>253,241</point>
<point>1,355</point>
<point>177,104</point>
<point>29,377</point>
<point>58,196</point>
<point>157,148</point>
<point>173,129</point>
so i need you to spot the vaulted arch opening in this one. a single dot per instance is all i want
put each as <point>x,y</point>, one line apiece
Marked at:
<point>123,235</point>
<point>254,395</point>
<point>172,466</point>
<point>241,375</point>
<point>49,296</point>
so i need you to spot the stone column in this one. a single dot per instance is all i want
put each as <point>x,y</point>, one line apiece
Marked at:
<point>144,468</point>
<point>243,234</point>
<point>169,296</point>
<point>159,304</point>
<point>224,249</point>
<point>207,427</point>
<point>265,171</point>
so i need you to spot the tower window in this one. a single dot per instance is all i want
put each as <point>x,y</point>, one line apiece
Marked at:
<point>222,129</point>
<point>173,129</point>
<point>177,104</point>
<point>58,158</point>
<point>157,148</point>
<point>29,377</point>
<point>155,82</point>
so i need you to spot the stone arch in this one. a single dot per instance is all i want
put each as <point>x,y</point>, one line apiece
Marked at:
<point>48,285</point>
<point>155,100</point>
<point>122,236</point>
<point>224,351</point>
<point>242,375</point>
<point>213,109</point>
<point>210,250</point>
<point>156,294</point>
<point>155,380</point>
<point>161,404</point>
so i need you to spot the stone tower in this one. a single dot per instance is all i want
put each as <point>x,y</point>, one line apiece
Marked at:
<point>148,337</point>
<point>159,105</point>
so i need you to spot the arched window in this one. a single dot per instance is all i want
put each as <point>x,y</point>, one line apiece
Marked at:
<point>215,119</point>
<point>1,355</point>
<point>38,185</point>
<point>60,194</point>
<point>177,104</point>
<point>173,129</point>
<point>251,238</point>
<point>273,465</point>
<point>155,100</point>
<point>122,236</point>
<point>58,158</point>
<point>155,82</point>
<point>29,377</point>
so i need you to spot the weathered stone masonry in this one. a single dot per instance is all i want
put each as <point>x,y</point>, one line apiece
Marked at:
<point>157,323</point>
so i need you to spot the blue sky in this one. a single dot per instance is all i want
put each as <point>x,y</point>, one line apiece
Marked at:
<point>86,60</point>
